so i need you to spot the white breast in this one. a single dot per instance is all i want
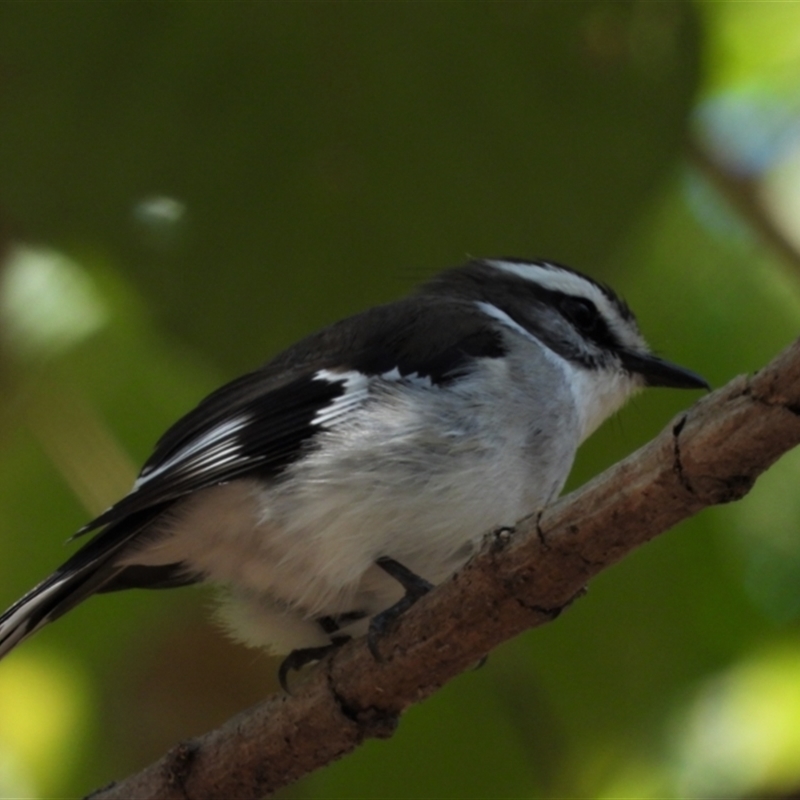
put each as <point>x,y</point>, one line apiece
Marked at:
<point>421,473</point>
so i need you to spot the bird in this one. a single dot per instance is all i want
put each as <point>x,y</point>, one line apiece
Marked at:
<point>330,488</point>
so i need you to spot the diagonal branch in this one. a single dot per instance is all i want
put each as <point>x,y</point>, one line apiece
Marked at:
<point>710,454</point>
<point>743,192</point>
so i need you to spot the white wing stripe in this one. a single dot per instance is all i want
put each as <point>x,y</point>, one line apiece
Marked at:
<point>221,432</point>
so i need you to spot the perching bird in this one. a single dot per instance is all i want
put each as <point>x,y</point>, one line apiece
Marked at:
<point>366,462</point>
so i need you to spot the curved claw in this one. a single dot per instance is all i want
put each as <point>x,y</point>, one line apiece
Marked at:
<point>415,587</point>
<point>298,659</point>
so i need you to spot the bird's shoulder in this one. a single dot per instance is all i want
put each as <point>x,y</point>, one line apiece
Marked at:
<point>426,335</point>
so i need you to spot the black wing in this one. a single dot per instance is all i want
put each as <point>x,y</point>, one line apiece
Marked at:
<point>259,423</point>
<point>242,428</point>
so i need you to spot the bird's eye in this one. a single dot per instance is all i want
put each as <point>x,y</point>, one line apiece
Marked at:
<point>581,313</point>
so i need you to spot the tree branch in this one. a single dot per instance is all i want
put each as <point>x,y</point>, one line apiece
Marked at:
<point>743,192</point>
<point>710,454</point>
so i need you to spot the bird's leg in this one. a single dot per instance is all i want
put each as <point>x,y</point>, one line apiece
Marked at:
<point>415,587</point>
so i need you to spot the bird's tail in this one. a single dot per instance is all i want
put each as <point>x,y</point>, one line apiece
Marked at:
<point>54,596</point>
<point>88,571</point>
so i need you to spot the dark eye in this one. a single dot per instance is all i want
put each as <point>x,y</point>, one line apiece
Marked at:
<point>581,313</point>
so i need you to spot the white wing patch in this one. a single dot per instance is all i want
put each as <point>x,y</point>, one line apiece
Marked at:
<point>224,451</point>
<point>413,378</point>
<point>356,391</point>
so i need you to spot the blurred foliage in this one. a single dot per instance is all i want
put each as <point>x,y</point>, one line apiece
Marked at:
<point>187,187</point>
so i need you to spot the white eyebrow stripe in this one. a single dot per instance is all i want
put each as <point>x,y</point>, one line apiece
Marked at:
<point>551,277</point>
<point>555,279</point>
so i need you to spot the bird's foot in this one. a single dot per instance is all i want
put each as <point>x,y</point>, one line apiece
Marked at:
<point>298,659</point>
<point>415,587</point>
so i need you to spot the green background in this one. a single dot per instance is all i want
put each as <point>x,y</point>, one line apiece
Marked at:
<point>187,187</point>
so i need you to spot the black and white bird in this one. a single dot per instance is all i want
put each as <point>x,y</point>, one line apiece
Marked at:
<point>365,463</point>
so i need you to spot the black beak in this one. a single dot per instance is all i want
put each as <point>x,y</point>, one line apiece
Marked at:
<point>657,372</point>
